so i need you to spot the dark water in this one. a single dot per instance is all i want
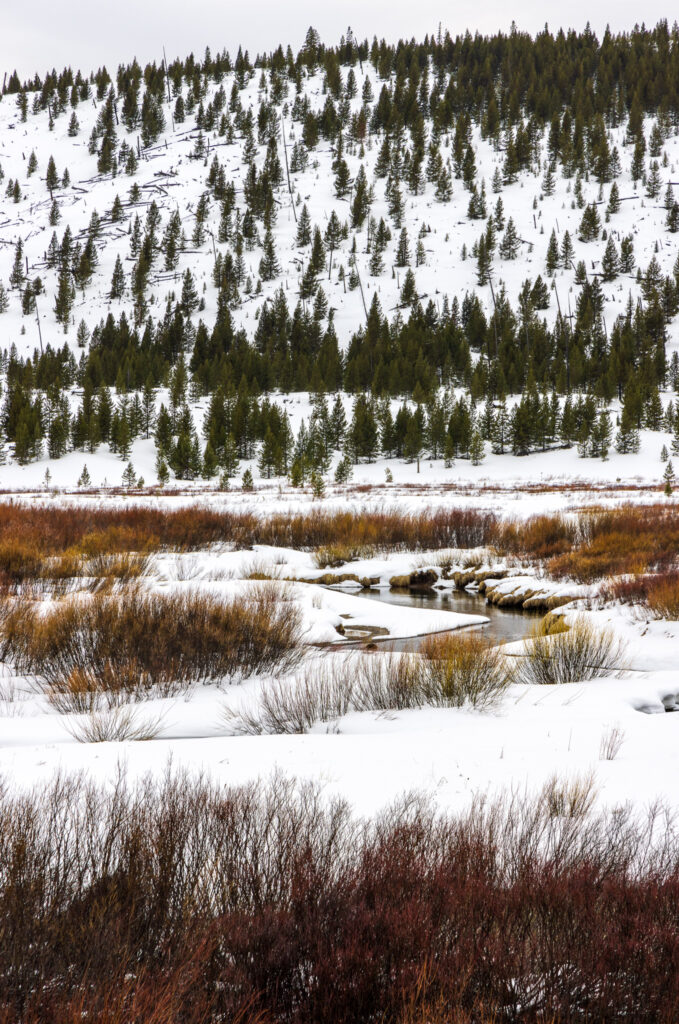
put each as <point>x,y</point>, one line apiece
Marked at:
<point>505,625</point>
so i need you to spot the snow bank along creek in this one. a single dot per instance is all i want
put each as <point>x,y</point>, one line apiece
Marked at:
<point>507,603</point>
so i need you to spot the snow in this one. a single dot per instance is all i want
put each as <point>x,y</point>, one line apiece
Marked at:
<point>536,732</point>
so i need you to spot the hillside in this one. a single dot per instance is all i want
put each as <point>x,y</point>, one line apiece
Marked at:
<point>509,252</point>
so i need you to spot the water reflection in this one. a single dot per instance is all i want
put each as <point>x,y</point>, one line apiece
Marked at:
<point>505,625</point>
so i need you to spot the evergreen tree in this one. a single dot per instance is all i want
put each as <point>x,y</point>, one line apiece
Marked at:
<point>476,448</point>
<point>117,280</point>
<point>303,228</point>
<point>552,261</point>
<point>51,176</point>
<point>509,246</point>
<point>610,262</point>
<point>614,199</point>
<point>189,297</point>
<point>409,289</point>
<point>16,276</point>
<point>590,224</point>
<point>269,267</point>
<point>64,299</point>
<point>567,251</point>
<point>403,250</point>
<point>332,238</point>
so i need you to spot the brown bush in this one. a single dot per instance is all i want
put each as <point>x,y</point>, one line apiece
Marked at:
<point>185,902</point>
<point>464,669</point>
<point>657,594</point>
<point>627,540</point>
<point>583,651</point>
<point>141,644</point>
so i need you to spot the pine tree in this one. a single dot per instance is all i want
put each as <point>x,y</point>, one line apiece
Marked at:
<point>303,228</point>
<point>614,199</point>
<point>332,237</point>
<point>552,261</point>
<point>16,276</point>
<point>413,443</point>
<point>403,250</point>
<point>627,438</point>
<point>409,289</point>
<point>483,262</point>
<point>362,199</point>
<point>668,477</point>
<point>51,176</point>
<point>476,448</point>
<point>444,186</point>
<point>567,251</point>
<point>509,246</point>
<point>189,298</point>
<point>627,255</point>
<point>590,225</point>
<point>343,470</point>
<point>549,182</point>
<point>317,257</point>
<point>269,267</point>
<point>117,280</point>
<point>675,438</point>
<point>64,299</point>
<point>654,181</point>
<point>610,263</point>
<point>342,178</point>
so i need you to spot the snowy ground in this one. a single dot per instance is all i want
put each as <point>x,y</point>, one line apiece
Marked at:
<point>536,732</point>
<point>533,735</point>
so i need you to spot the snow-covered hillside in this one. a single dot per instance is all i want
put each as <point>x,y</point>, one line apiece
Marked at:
<point>177,173</point>
<point>169,174</point>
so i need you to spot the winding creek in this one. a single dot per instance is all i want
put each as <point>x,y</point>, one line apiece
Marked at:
<point>505,625</point>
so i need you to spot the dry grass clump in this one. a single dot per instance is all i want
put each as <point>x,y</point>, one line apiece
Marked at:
<point>332,556</point>
<point>656,594</point>
<point>29,534</point>
<point>582,652</point>
<point>572,798</point>
<point>611,743</point>
<point>143,644</point>
<point>320,693</point>
<point>587,546</point>
<point>662,597</point>
<point>452,671</point>
<point>541,536</point>
<point>464,669</point>
<point>627,540</point>
<point>114,725</point>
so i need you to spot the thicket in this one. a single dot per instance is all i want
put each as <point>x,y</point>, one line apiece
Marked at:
<point>40,542</point>
<point>89,652</point>
<point>184,901</point>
